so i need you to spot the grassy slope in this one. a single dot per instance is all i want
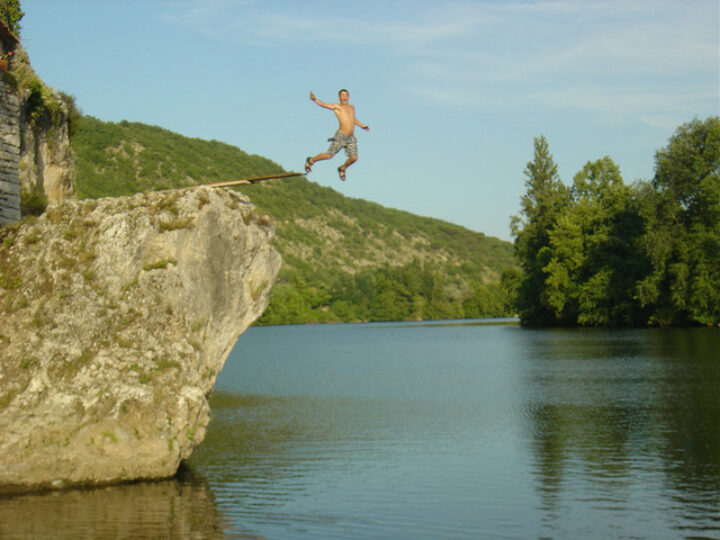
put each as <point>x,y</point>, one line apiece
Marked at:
<point>321,234</point>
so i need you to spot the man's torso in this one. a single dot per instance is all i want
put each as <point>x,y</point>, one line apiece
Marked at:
<point>346,117</point>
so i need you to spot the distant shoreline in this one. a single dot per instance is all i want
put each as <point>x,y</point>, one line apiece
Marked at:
<point>496,321</point>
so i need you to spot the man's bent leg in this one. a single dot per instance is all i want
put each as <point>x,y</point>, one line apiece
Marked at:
<point>320,157</point>
<point>342,168</point>
<point>348,162</point>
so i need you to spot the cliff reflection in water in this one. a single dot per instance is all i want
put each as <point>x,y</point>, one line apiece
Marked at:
<point>181,507</point>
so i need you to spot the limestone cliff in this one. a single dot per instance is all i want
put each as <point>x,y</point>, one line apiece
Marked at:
<point>46,163</point>
<point>116,316</point>
<point>46,171</point>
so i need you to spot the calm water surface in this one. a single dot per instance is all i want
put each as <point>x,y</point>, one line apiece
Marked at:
<point>434,431</point>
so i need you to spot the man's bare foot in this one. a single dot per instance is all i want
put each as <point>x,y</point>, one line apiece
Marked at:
<point>341,172</point>
<point>308,165</point>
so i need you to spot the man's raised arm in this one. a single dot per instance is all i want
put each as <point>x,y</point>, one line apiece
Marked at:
<point>321,103</point>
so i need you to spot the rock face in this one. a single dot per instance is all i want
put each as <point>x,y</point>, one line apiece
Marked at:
<point>46,163</point>
<point>116,316</point>
<point>36,163</point>
<point>9,135</point>
<point>9,153</point>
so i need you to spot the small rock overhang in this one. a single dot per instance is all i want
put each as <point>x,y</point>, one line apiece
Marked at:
<point>7,38</point>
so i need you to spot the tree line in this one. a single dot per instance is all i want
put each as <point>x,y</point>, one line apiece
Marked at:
<point>604,253</point>
<point>414,291</point>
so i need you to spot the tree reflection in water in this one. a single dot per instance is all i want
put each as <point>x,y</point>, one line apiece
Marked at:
<point>611,409</point>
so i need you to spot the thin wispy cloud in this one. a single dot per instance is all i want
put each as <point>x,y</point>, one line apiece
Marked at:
<point>365,26</point>
<point>594,55</point>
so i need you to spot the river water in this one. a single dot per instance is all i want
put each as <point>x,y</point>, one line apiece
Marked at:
<point>455,430</point>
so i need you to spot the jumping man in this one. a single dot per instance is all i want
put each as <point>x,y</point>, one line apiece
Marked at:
<point>344,137</point>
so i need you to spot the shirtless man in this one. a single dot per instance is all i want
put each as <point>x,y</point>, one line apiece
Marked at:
<point>344,137</point>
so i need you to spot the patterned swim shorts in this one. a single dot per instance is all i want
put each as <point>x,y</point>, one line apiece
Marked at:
<point>340,140</point>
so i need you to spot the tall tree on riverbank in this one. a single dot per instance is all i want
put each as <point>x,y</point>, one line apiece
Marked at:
<point>545,200</point>
<point>603,253</point>
<point>683,238</point>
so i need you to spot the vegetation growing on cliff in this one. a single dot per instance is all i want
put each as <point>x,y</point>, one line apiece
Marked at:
<point>604,253</point>
<point>11,14</point>
<point>344,259</point>
<point>46,112</point>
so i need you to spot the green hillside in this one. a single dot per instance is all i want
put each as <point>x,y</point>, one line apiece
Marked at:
<point>344,259</point>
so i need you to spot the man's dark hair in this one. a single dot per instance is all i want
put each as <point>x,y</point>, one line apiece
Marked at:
<point>341,91</point>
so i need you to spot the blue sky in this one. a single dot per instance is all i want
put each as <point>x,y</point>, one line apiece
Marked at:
<point>454,91</point>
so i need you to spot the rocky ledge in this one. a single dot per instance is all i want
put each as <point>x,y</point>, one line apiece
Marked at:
<point>116,315</point>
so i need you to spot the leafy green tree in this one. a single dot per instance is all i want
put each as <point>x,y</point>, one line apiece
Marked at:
<point>594,245</point>
<point>628,261</point>
<point>683,238</point>
<point>567,259</point>
<point>441,302</point>
<point>486,300</point>
<point>510,282</point>
<point>545,200</point>
<point>389,304</point>
<point>289,307</point>
<point>11,13</point>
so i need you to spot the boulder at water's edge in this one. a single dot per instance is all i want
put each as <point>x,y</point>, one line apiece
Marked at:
<point>116,316</point>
